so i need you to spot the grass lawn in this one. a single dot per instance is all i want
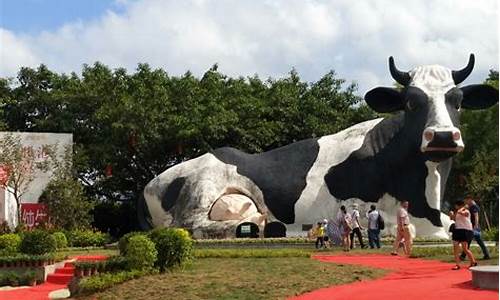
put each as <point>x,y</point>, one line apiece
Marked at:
<point>257,274</point>
<point>239,278</point>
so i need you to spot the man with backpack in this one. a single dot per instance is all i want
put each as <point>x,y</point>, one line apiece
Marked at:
<point>375,224</point>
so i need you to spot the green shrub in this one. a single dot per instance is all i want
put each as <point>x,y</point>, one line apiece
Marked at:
<point>9,278</point>
<point>122,244</point>
<point>103,281</point>
<point>490,235</point>
<point>174,247</point>
<point>27,278</point>
<point>86,238</point>
<point>61,241</point>
<point>141,253</point>
<point>9,244</point>
<point>116,263</point>
<point>37,242</point>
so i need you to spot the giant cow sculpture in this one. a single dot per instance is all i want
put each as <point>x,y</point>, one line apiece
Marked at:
<point>383,161</point>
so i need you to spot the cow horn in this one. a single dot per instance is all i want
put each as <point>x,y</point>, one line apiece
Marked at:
<point>401,77</point>
<point>461,75</point>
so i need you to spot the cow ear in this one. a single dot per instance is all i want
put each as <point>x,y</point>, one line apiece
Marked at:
<point>384,100</point>
<point>479,96</point>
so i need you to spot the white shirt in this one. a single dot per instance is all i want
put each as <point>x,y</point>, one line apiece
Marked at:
<point>403,218</point>
<point>463,222</point>
<point>372,219</point>
<point>355,218</point>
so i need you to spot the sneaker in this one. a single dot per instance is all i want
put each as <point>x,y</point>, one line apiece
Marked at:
<point>394,253</point>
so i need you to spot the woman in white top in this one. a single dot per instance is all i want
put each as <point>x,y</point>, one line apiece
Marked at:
<point>462,233</point>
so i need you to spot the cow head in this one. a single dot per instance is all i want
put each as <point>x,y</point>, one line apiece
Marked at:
<point>431,102</point>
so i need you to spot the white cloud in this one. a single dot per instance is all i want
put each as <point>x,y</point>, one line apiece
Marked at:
<point>269,38</point>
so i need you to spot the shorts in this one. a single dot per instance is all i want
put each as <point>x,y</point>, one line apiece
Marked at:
<point>462,235</point>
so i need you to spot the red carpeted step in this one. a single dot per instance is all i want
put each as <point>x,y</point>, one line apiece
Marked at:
<point>65,270</point>
<point>59,278</point>
<point>90,257</point>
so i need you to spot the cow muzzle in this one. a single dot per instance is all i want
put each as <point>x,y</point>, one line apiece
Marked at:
<point>441,143</point>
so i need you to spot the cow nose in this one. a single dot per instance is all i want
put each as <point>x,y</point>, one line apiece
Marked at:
<point>442,138</point>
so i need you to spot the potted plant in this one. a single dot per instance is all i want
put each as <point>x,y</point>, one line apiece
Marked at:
<point>87,269</point>
<point>93,267</point>
<point>78,271</point>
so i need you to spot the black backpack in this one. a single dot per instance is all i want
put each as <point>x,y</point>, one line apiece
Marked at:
<point>380,222</point>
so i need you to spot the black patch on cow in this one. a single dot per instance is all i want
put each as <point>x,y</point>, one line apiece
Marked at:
<point>280,173</point>
<point>275,230</point>
<point>389,161</point>
<point>171,194</point>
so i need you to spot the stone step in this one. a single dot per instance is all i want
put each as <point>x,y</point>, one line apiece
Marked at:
<point>485,277</point>
<point>65,270</point>
<point>59,278</point>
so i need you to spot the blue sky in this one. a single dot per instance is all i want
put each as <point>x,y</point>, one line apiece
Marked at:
<point>264,37</point>
<point>33,16</point>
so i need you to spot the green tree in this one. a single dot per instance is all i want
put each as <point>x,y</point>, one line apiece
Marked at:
<point>65,196</point>
<point>20,164</point>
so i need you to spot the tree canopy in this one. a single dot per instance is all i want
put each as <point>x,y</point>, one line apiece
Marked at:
<point>128,128</point>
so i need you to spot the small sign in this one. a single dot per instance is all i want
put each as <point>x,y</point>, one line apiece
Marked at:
<point>33,214</point>
<point>246,229</point>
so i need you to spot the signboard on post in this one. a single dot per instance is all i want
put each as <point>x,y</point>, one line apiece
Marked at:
<point>33,214</point>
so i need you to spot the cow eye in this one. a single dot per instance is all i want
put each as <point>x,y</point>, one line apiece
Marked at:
<point>411,105</point>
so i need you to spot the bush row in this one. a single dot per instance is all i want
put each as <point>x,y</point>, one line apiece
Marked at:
<point>295,240</point>
<point>112,264</point>
<point>25,260</point>
<point>14,279</point>
<point>253,253</point>
<point>41,241</point>
<point>173,247</point>
<point>141,253</point>
<point>103,281</point>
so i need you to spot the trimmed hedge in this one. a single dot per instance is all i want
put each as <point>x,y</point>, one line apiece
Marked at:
<point>86,238</point>
<point>174,246</point>
<point>141,253</point>
<point>14,279</point>
<point>37,242</point>
<point>115,263</point>
<point>122,244</point>
<point>103,281</point>
<point>9,244</point>
<point>30,260</point>
<point>61,241</point>
<point>250,253</point>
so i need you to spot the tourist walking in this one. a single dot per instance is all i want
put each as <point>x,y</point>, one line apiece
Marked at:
<point>403,230</point>
<point>320,235</point>
<point>344,222</point>
<point>373,227</point>
<point>476,229</point>
<point>462,234</point>
<point>328,232</point>
<point>356,226</point>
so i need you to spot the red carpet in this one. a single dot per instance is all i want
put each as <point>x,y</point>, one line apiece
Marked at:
<point>410,279</point>
<point>58,280</point>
